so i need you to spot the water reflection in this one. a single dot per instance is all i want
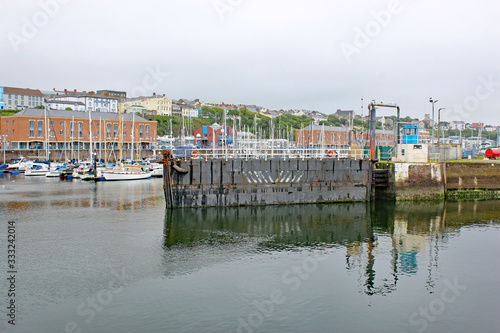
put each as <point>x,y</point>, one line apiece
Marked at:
<point>383,242</point>
<point>24,193</point>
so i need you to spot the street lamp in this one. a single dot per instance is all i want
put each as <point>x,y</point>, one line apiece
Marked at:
<point>4,140</point>
<point>439,122</point>
<point>433,102</point>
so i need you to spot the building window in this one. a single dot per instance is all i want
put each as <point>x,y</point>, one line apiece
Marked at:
<point>147,131</point>
<point>61,123</point>
<point>141,129</point>
<point>115,130</point>
<point>51,123</point>
<point>80,130</point>
<point>40,128</point>
<point>108,135</point>
<point>72,129</point>
<point>61,132</point>
<point>52,132</point>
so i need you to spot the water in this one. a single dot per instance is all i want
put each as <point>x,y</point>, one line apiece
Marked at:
<point>108,257</point>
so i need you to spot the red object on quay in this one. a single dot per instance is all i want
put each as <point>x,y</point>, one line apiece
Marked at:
<point>492,152</point>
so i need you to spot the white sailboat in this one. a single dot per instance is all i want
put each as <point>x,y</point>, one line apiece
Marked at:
<point>125,173</point>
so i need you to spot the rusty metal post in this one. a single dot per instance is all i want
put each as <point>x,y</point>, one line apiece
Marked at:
<point>167,179</point>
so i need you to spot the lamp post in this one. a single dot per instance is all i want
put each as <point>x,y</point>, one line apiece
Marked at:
<point>433,102</point>
<point>4,137</point>
<point>439,122</point>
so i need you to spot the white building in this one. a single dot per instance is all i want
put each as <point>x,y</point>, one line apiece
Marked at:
<point>458,125</point>
<point>17,98</point>
<point>91,101</point>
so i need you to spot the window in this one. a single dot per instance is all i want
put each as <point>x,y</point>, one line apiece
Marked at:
<point>61,123</point>
<point>40,128</point>
<point>141,129</point>
<point>115,130</point>
<point>51,123</point>
<point>147,131</point>
<point>108,130</point>
<point>52,132</point>
<point>61,132</point>
<point>80,130</point>
<point>72,129</point>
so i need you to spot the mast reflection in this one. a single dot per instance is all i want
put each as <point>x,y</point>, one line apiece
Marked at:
<point>384,242</point>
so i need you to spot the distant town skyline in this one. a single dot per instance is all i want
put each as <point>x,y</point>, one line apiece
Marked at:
<point>316,55</point>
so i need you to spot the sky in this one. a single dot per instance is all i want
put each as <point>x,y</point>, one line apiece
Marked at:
<point>319,55</point>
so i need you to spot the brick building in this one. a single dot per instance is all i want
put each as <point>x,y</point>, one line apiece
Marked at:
<point>27,129</point>
<point>334,136</point>
<point>206,135</point>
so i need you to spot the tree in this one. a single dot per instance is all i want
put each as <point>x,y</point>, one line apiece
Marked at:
<point>69,109</point>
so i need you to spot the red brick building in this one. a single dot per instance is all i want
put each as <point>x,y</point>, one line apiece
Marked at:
<point>27,129</point>
<point>335,136</point>
<point>206,135</point>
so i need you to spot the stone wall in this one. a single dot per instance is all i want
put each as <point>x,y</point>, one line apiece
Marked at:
<point>473,176</point>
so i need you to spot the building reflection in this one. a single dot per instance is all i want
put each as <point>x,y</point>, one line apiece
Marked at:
<point>383,242</point>
<point>40,193</point>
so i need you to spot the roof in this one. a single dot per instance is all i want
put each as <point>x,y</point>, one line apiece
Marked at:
<point>65,102</point>
<point>77,114</point>
<point>345,113</point>
<point>22,91</point>
<point>79,94</point>
<point>338,128</point>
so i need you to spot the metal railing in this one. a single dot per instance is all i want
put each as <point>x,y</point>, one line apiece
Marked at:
<point>263,153</point>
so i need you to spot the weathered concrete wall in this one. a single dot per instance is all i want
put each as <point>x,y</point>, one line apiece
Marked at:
<point>418,181</point>
<point>237,182</point>
<point>424,181</point>
<point>473,176</point>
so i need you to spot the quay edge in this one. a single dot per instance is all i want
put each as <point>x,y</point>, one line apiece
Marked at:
<point>437,181</point>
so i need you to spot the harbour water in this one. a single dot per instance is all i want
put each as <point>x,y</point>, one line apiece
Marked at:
<point>108,257</point>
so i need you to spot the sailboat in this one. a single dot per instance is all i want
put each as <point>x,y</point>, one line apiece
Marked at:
<point>121,172</point>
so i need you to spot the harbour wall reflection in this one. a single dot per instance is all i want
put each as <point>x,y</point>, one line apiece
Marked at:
<point>383,242</point>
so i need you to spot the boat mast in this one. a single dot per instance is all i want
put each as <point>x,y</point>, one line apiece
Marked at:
<point>133,132</point>
<point>120,133</point>
<point>90,134</point>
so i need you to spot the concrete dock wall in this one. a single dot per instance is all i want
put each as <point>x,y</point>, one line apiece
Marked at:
<point>473,176</point>
<point>424,181</point>
<point>413,181</point>
<point>237,182</point>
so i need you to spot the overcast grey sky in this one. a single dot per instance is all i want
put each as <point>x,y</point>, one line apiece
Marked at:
<point>315,54</point>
